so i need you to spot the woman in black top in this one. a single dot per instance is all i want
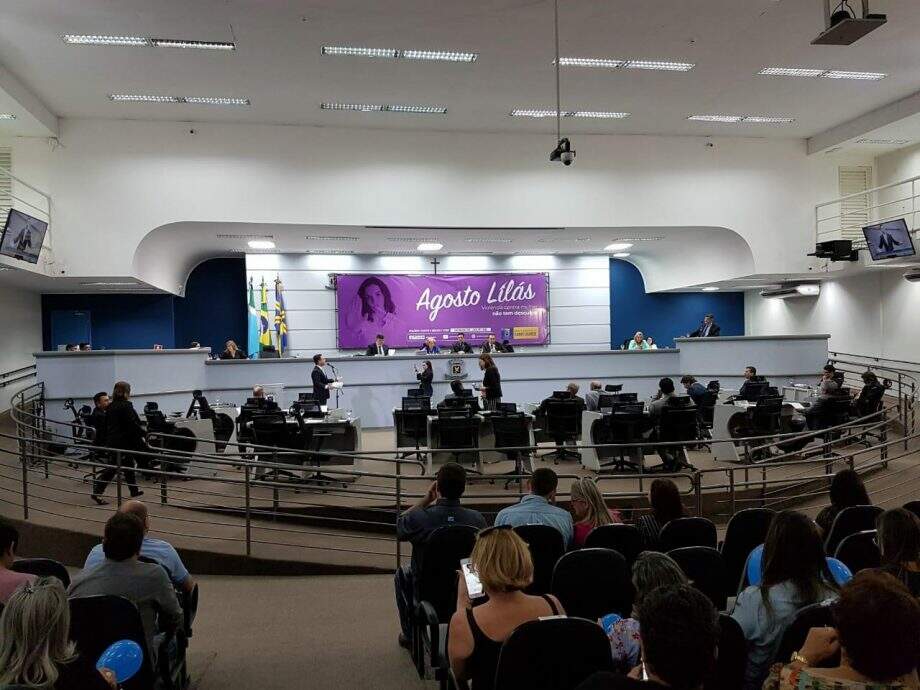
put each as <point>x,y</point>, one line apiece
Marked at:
<point>899,542</point>
<point>231,351</point>
<point>502,561</point>
<point>491,389</point>
<point>847,489</point>
<point>424,379</point>
<point>664,498</point>
<point>123,430</point>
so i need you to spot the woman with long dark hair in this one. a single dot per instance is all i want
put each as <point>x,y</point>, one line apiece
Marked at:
<point>847,490</point>
<point>425,377</point>
<point>491,389</point>
<point>795,574</point>
<point>899,542</point>
<point>664,497</point>
<point>373,312</point>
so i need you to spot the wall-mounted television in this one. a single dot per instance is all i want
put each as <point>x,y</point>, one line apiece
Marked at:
<point>889,240</point>
<point>23,236</point>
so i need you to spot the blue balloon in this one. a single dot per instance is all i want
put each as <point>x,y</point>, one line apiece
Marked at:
<point>755,566</point>
<point>123,658</point>
<point>839,571</point>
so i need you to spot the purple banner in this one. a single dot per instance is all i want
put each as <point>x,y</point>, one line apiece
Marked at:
<point>407,309</point>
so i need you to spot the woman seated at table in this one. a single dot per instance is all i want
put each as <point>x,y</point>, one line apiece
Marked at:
<point>638,342</point>
<point>231,351</point>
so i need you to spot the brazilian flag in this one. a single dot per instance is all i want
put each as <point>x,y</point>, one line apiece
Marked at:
<point>265,333</point>
<point>281,328</point>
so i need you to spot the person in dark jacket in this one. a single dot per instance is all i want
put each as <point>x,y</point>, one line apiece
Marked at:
<point>461,345</point>
<point>425,377</point>
<point>491,389</point>
<point>231,351</point>
<point>96,419</point>
<point>870,397</point>
<point>708,328</point>
<point>378,348</point>
<point>123,430</point>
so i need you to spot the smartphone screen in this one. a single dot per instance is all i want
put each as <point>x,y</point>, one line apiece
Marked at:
<point>473,585</point>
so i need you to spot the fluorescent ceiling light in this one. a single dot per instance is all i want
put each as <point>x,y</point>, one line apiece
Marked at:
<point>750,119</point>
<point>598,114</point>
<point>430,246</point>
<point>621,255</point>
<point>144,42</point>
<point>261,244</point>
<point>525,112</point>
<point>406,238</point>
<point>810,290</point>
<point>815,72</point>
<point>331,238</point>
<point>108,284</point>
<point>638,239</point>
<point>593,114</point>
<point>614,63</point>
<point>379,108</point>
<point>715,118</point>
<point>395,54</point>
<point>617,246</point>
<point>711,288</point>
<point>7,116</point>
<point>142,98</point>
<point>489,240</point>
<point>330,252</point>
<point>883,142</point>
<point>215,100</point>
<point>192,100</point>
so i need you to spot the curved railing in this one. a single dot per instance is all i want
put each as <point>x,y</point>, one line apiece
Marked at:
<point>237,501</point>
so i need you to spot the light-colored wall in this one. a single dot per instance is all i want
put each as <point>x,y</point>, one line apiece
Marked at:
<point>579,292</point>
<point>115,181</point>
<point>21,335</point>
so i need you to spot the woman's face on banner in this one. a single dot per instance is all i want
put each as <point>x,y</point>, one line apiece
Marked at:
<point>373,296</point>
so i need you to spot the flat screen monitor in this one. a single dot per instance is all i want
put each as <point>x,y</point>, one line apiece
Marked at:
<point>23,236</point>
<point>889,240</point>
<point>466,393</point>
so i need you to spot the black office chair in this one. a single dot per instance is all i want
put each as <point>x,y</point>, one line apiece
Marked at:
<point>546,548</point>
<point>850,521</point>
<point>591,583</point>
<point>42,567</point>
<point>436,596</point>
<point>913,506</point>
<point>705,569</point>
<point>625,425</point>
<point>310,438</point>
<point>625,539</point>
<point>98,621</point>
<point>613,387</point>
<point>746,530</point>
<point>818,615</point>
<point>687,531</point>
<point>271,430</point>
<point>557,653</point>
<point>859,551</point>
<point>732,656</point>
<point>512,431</point>
<point>677,424</point>
<point>459,430</point>
<point>563,423</point>
<point>706,407</point>
<point>714,386</point>
<point>413,425</point>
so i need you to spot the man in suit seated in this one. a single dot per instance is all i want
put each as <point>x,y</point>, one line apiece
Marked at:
<point>491,345</point>
<point>376,348</point>
<point>461,346</point>
<point>593,396</point>
<point>429,347</point>
<point>708,329</point>
<point>665,393</point>
<point>750,373</point>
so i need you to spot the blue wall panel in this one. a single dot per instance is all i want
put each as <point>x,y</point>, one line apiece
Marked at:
<point>213,310</point>
<point>665,315</point>
<point>117,321</point>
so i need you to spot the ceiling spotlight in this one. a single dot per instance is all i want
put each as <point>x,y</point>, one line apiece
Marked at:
<point>621,255</point>
<point>711,288</point>
<point>618,247</point>
<point>261,244</point>
<point>563,152</point>
<point>430,247</point>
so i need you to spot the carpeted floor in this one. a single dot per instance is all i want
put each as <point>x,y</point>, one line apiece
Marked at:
<point>299,632</point>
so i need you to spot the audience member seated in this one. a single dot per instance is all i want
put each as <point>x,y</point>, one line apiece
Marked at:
<point>827,384</point>
<point>491,345</point>
<point>794,575</point>
<point>877,634</point>
<point>695,389</point>
<point>439,507</point>
<point>847,489</point>
<point>378,348</point>
<point>664,497</point>
<point>638,342</point>
<point>538,508</point>
<point>146,585</point>
<point>461,346</point>
<point>35,646</point>
<point>593,396</point>
<point>899,542</point>
<point>502,561</point>
<point>430,347</point>
<point>9,579</point>
<point>155,549</point>
<point>573,388</point>
<point>680,633</point>
<point>123,430</point>
<point>870,396</point>
<point>650,571</point>
<point>84,347</point>
<point>589,510</point>
<point>750,374</point>
<point>651,343</point>
<point>96,419</point>
<point>458,391</point>
<point>665,393</point>
<point>232,351</point>
<point>827,388</point>
<point>258,392</point>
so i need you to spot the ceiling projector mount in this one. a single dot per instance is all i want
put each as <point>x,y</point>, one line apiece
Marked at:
<point>841,25</point>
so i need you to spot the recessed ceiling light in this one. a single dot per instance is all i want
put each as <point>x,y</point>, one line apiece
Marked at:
<point>750,119</point>
<point>594,114</point>
<point>331,238</point>
<point>598,114</point>
<point>711,288</point>
<point>144,41</point>
<point>608,63</point>
<point>715,118</point>
<point>199,45</point>
<point>193,100</point>
<point>617,246</point>
<point>261,244</point>
<point>665,65</point>
<point>215,100</point>
<point>7,116</point>
<point>613,63</point>
<point>621,255</point>
<point>330,252</point>
<point>430,247</point>
<point>845,74</point>
<point>142,98</point>
<point>530,112</point>
<point>398,252</point>
<point>394,54</point>
<point>814,72</point>
<point>883,142</point>
<point>379,108</point>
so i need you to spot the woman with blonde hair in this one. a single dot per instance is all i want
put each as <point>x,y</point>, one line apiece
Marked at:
<point>589,509</point>
<point>35,651</point>
<point>502,561</point>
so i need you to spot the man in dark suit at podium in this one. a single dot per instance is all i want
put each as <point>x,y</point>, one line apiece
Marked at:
<point>491,345</point>
<point>320,380</point>
<point>461,345</point>
<point>377,348</point>
<point>708,329</point>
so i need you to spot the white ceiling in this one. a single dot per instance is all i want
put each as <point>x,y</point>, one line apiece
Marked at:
<point>278,64</point>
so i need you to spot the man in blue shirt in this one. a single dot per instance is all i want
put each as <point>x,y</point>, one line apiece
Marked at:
<point>439,507</point>
<point>695,389</point>
<point>537,508</point>
<point>155,549</point>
